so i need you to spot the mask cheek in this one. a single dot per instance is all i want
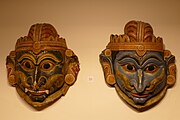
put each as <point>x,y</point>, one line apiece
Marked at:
<point>123,81</point>
<point>21,79</point>
<point>54,83</point>
<point>157,84</point>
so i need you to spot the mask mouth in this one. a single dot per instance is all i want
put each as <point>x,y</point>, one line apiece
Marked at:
<point>37,96</point>
<point>139,95</point>
<point>39,92</point>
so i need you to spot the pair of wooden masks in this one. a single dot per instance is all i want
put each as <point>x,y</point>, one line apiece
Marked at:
<point>41,67</point>
<point>138,66</point>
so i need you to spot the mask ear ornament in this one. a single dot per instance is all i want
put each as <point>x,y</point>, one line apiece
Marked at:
<point>171,68</point>
<point>10,65</point>
<point>138,66</point>
<point>106,62</point>
<point>73,67</point>
<point>41,67</point>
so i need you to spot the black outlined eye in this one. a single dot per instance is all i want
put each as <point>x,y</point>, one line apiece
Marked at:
<point>129,68</point>
<point>27,65</point>
<point>151,68</point>
<point>47,65</point>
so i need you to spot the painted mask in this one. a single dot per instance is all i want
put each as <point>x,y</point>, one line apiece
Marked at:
<point>41,67</point>
<point>138,66</point>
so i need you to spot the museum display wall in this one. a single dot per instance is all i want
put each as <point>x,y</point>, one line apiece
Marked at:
<point>86,27</point>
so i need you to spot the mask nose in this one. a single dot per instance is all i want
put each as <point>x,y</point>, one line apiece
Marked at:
<point>35,85</point>
<point>140,88</point>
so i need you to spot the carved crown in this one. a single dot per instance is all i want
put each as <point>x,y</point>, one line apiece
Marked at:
<point>41,37</point>
<point>137,36</point>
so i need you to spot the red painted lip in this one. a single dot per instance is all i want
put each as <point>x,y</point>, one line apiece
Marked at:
<point>139,95</point>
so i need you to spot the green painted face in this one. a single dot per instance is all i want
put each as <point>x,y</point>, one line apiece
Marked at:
<point>39,76</point>
<point>41,79</point>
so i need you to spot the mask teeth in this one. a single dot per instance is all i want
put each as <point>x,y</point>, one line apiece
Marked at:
<point>47,92</point>
<point>26,90</point>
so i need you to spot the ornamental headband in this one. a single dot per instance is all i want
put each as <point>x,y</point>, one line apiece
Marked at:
<point>137,36</point>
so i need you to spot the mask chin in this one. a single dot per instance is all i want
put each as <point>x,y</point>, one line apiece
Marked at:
<point>40,102</point>
<point>38,98</point>
<point>139,105</point>
<point>139,101</point>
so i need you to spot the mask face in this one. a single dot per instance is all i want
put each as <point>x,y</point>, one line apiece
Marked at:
<point>140,78</point>
<point>39,76</point>
<point>137,65</point>
<point>42,68</point>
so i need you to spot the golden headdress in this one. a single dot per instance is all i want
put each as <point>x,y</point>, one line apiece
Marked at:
<point>137,36</point>
<point>41,37</point>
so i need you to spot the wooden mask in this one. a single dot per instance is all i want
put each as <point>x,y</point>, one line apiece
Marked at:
<point>138,66</point>
<point>41,67</point>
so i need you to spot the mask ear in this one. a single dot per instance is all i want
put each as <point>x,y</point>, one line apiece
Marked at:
<point>10,65</point>
<point>72,67</point>
<point>106,62</point>
<point>171,68</point>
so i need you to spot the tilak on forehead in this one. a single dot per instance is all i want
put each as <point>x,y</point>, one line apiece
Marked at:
<point>42,68</point>
<point>141,82</point>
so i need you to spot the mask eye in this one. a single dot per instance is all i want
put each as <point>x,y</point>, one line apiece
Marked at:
<point>27,65</point>
<point>47,65</point>
<point>151,68</point>
<point>129,68</point>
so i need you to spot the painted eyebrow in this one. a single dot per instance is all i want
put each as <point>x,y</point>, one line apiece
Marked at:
<point>152,56</point>
<point>48,56</point>
<point>26,56</point>
<point>127,56</point>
